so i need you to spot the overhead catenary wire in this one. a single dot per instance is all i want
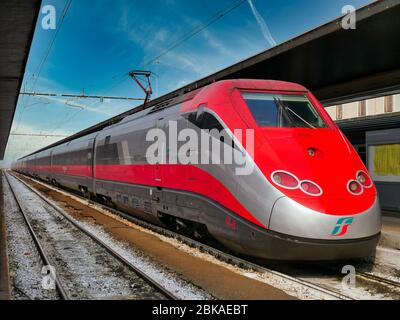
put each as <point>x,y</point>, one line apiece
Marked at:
<point>62,123</point>
<point>217,16</point>
<point>64,120</point>
<point>52,95</point>
<point>25,105</point>
<point>214,18</point>
<point>82,96</point>
<point>36,75</point>
<point>38,135</point>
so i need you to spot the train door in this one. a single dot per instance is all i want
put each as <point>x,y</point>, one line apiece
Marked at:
<point>35,166</point>
<point>90,164</point>
<point>158,176</point>
<point>51,171</point>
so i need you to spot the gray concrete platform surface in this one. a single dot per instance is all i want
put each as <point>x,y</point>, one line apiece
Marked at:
<point>390,232</point>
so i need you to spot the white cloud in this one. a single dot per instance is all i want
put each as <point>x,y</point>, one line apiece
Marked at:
<point>262,24</point>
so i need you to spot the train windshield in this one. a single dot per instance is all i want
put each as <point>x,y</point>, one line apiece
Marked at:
<point>283,111</point>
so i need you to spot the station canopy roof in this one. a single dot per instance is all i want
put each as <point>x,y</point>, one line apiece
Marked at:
<point>17,25</point>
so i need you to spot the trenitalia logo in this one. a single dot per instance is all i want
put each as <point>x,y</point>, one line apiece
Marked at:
<point>342,225</point>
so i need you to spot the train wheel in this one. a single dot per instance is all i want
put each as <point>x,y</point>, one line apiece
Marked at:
<point>85,193</point>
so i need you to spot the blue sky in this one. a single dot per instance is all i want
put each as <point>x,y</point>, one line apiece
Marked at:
<point>100,41</point>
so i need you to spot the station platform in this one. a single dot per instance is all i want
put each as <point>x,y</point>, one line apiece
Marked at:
<point>390,237</point>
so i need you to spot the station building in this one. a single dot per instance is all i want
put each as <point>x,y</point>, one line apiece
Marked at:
<point>376,106</point>
<point>373,128</point>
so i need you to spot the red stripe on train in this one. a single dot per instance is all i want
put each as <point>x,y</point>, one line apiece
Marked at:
<point>180,177</point>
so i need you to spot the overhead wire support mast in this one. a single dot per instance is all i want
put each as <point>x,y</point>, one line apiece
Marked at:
<point>82,96</point>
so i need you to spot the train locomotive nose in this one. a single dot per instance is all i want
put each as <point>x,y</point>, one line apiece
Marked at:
<point>293,219</point>
<point>316,236</point>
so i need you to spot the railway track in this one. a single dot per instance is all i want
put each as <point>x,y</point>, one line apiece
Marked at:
<point>371,281</point>
<point>205,248</point>
<point>5,287</point>
<point>45,258</point>
<point>133,279</point>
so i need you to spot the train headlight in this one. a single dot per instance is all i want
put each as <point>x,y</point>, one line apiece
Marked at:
<point>285,180</point>
<point>289,181</point>
<point>354,187</point>
<point>364,179</point>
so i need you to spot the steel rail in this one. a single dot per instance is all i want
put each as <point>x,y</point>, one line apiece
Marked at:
<point>376,278</point>
<point>119,257</point>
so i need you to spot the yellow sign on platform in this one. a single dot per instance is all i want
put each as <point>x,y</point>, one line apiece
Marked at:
<point>387,160</point>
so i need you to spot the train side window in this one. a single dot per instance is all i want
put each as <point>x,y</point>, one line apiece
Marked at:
<point>204,120</point>
<point>107,153</point>
<point>209,122</point>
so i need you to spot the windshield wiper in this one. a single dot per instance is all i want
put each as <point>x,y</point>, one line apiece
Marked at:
<point>305,121</point>
<point>282,111</point>
<point>286,108</point>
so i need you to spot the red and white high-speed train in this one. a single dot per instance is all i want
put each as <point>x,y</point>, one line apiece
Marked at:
<point>307,197</point>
